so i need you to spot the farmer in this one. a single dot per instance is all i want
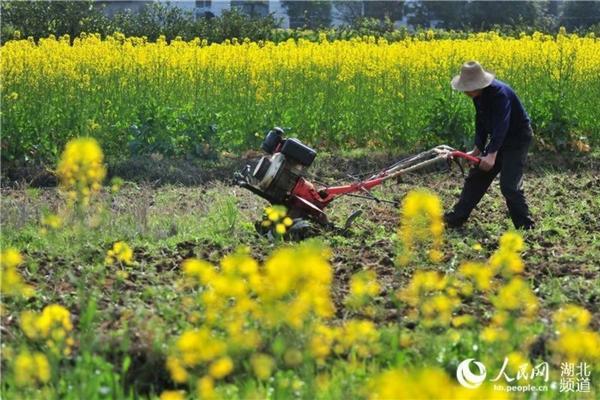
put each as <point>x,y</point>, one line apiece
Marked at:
<point>501,117</point>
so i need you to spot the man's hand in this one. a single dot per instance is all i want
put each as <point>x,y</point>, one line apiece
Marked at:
<point>475,153</point>
<point>487,162</point>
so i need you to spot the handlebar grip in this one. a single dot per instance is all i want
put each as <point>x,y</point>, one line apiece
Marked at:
<point>466,156</point>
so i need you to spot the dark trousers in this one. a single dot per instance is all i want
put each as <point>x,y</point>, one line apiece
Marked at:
<point>510,164</point>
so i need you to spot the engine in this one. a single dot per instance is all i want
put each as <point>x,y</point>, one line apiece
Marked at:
<point>277,173</point>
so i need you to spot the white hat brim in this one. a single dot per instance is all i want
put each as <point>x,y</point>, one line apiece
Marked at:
<point>470,85</point>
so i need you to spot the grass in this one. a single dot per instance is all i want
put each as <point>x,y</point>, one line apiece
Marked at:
<point>127,324</point>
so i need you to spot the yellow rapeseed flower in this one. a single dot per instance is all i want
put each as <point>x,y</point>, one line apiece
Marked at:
<point>421,221</point>
<point>12,283</point>
<point>574,341</point>
<point>52,326</point>
<point>31,369</point>
<point>516,295</point>
<point>363,286</point>
<point>178,372</point>
<point>206,387</point>
<point>81,170</point>
<point>221,367</point>
<point>262,365</point>
<point>172,395</point>
<point>10,258</point>
<point>280,229</point>
<point>406,384</point>
<point>120,252</point>
<point>572,317</point>
<point>51,221</point>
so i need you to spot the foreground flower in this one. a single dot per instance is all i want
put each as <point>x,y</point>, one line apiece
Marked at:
<point>431,298</point>
<point>81,170</point>
<point>31,368</point>
<point>172,395</point>
<point>12,281</point>
<point>50,222</point>
<point>516,295</point>
<point>52,327</point>
<point>244,304</point>
<point>574,341</point>
<point>507,259</point>
<point>428,383</point>
<point>276,220</point>
<point>221,368</point>
<point>363,287</point>
<point>262,365</point>
<point>421,222</point>
<point>120,252</point>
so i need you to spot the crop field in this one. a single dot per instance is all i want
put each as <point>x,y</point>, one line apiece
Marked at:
<point>187,98</point>
<point>131,262</point>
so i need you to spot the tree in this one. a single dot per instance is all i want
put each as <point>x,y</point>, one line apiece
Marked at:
<point>370,17</point>
<point>153,20</point>
<point>483,15</point>
<point>349,11</point>
<point>580,14</point>
<point>442,14</point>
<point>43,18</point>
<point>394,10</point>
<point>308,14</point>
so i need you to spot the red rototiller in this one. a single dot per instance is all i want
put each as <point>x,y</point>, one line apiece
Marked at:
<point>280,177</point>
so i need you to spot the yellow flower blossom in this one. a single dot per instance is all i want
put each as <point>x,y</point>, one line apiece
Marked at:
<point>574,341</point>
<point>262,365</point>
<point>81,170</point>
<point>359,336</point>
<point>428,383</point>
<point>480,273</point>
<point>293,357</point>
<point>172,395</point>
<point>280,229</point>
<point>462,320</point>
<point>275,218</point>
<point>206,387</point>
<point>363,287</point>
<point>178,372</point>
<point>120,252</point>
<point>10,258</point>
<point>221,367</point>
<point>12,283</point>
<point>421,221</point>
<point>51,221</point>
<point>516,295</point>
<point>511,241</point>
<point>571,317</point>
<point>574,346</point>
<point>322,341</point>
<point>507,259</point>
<point>52,326</point>
<point>30,369</point>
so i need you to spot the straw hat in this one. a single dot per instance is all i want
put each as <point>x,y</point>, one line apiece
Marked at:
<point>472,77</point>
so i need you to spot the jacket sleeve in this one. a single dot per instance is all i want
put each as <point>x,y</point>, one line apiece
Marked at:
<point>480,134</point>
<point>500,121</point>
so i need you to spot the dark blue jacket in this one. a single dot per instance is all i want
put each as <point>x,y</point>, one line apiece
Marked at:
<point>502,117</point>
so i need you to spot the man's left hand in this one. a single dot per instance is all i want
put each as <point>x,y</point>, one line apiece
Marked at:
<point>487,162</point>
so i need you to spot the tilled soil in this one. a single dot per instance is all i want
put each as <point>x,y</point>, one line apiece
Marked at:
<point>562,255</point>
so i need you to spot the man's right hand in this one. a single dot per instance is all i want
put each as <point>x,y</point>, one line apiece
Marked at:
<point>475,153</point>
